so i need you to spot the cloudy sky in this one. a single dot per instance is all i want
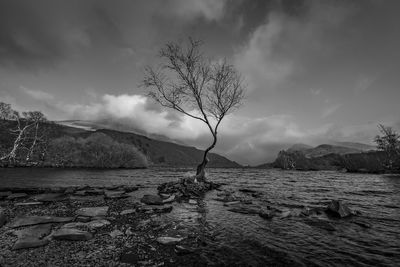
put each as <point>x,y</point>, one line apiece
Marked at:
<point>317,71</point>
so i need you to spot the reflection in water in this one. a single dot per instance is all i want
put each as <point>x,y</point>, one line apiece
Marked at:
<point>229,238</point>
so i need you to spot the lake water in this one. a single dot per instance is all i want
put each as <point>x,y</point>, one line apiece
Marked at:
<point>239,239</point>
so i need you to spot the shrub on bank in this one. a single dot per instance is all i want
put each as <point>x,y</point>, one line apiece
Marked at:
<point>98,151</point>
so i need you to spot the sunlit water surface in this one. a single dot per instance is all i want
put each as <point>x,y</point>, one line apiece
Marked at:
<point>240,239</point>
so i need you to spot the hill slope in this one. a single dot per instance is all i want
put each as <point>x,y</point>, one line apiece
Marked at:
<point>157,152</point>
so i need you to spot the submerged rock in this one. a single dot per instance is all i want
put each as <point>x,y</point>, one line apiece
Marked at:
<point>266,214</point>
<point>72,234</point>
<point>183,250</point>
<point>338,209</point>
<point>92,211</point>
<point>322,224</point>
<point>245,209</point>
<point>33,220</point>
<point>152,200</point>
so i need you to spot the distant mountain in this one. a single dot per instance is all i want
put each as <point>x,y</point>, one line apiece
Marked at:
<point>326,149</point>
<point>324,157</point>
<point>158,152</point>
<point>112,125</point>
<point>359,146</point>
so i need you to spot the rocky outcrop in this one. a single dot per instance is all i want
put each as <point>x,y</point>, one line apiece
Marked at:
<point>338,209</point>
<point>187,188</point>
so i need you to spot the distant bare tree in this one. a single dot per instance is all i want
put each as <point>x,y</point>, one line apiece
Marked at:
<point>197,87</point>
<point>389,142</point>
<point>6,112</point>
<point>26,131</point>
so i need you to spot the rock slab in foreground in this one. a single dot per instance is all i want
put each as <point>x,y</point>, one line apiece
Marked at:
<point>32,237</point>
<point>92,211</point>
<point>72,234</point>
<point>33,220</point>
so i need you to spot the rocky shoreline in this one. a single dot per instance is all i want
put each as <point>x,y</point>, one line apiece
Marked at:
<point>92,226</point>
<point>125,225</point>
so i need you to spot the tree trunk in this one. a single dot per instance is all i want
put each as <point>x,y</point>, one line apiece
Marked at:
<point>200,172</point>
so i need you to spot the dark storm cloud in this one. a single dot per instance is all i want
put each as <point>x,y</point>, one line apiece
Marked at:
<point>26,36</point>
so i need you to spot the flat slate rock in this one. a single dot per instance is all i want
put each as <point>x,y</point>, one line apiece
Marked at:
<point>115,194</point>
<point>33,220</point>
<point>92,224</point>
<point>92,211</point>
<point>51,197</point>
<point>32,237</point>
<point>72,234</point>
<point>16,196</point>
<point>30,242</point>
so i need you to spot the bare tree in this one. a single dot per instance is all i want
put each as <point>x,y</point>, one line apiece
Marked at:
<point>389,142</point>
<point>197,87</point>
